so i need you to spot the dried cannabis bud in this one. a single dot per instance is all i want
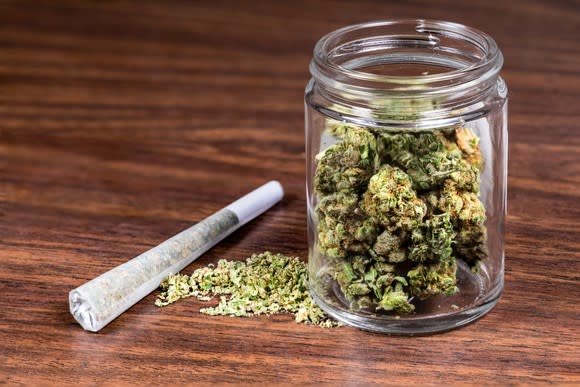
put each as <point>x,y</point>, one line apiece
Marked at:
<point>396,210</point>
<point>391,200</point>
<point>343,226</point>
<point>348,165</point>
<point>264,284</point>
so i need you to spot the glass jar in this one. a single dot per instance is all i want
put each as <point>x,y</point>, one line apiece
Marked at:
<point>406,148</point>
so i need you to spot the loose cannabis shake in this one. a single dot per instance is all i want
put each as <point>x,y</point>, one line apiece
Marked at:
<point>264,284</point>
<point>396,210</point>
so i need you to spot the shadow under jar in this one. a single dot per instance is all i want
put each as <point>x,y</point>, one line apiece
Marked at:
<point>406,147</point>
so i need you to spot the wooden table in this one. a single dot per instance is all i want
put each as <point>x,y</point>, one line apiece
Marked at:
<point>123,123</point>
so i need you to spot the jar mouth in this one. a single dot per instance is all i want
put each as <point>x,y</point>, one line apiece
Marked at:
<point>402,56</point>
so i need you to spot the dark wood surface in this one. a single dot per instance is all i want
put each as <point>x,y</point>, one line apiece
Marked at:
<point>122,123</point>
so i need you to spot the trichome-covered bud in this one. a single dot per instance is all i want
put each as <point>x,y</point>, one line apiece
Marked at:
<point>395,299</point>
<point>389,247</point>
<point>466,176</point>
<point>468,142</point>
<point>471,244</point>
<point>432,240</point>
<point>349,164</point>
<point>428,280</point>
<point>462,206</point>
<point>391,199</point>
<point>429,159</point>
<point>343,227</point>
<point>362,281</point>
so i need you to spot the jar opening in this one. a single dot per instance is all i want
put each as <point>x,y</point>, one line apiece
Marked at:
<point>397,56</point>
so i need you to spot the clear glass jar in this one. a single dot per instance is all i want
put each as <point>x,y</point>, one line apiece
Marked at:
<point>406,148</point>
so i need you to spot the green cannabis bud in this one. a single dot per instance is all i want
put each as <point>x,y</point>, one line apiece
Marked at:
<point>396,210</point>
<point>265,283</point>
<point>348,165</point>
<point>344,228</point>
<point>391,200</point>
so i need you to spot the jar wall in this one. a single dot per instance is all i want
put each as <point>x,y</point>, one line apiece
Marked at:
<point>406,225</point>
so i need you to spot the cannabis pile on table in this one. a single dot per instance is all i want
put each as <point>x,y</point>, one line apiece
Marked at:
<point>265,283</point>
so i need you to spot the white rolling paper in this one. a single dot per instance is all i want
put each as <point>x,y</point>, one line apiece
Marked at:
<point>101,300</point>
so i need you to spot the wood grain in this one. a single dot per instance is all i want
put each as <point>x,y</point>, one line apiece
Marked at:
<point>122,123</point>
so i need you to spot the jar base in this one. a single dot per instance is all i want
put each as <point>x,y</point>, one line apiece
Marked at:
<point>445,319</point>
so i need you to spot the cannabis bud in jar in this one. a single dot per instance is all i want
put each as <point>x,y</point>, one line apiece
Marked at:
<point>396,210</point>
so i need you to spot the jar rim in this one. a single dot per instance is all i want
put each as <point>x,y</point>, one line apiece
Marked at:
<point>486,59</point>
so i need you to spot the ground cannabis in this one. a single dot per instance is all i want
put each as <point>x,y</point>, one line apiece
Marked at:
<point>265,283</point>
<point>396,210</point>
